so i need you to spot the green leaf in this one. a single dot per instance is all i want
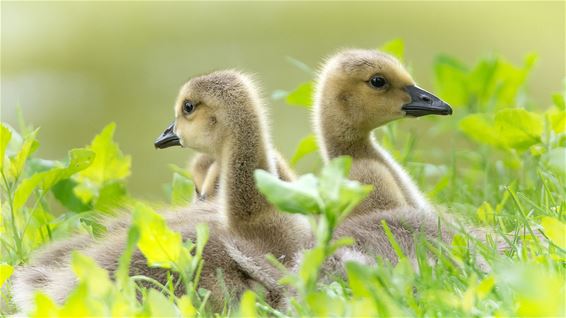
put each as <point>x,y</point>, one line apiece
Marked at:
<point>555,230</point>
<point>359,279</point>
<point>159,244</point>
<point>518,128</point>
<point>44,307</point>
<point>450,79</point>
<point>159,306</point>
<point>79,159</point>
<point>182,190</point>
<point>339,194</point>
<point>109,164</point>
<point>5,273</point>
<point>302,95</point>
<point>395,47</point>
<point>17,162</point>
<point>90,273</point>
<point>311,264</point>
<point>247,305</point>
<point>5,136</point>
<point>63,192</point>
<point>332,176</point>
<point>557,120</point>
<point>306,146</point>
<point>510,128</point>
<point>110,195</point>
<point>300,196</point>
<point>559,101</point>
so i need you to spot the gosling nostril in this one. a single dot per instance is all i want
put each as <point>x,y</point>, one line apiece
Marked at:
<point>425,98</point>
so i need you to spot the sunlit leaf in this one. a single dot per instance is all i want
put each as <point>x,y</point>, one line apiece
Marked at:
<point>300,196</point>
<point>306,146</point>
<point>110,163</point>
<point>159,306</point>
<point>182,190</point>
<point>91,274</point>
<point>555,230</point>
<point>509,128</point>
<point>5,136</point>
<point>518,128</point>
<point>5,273</point>
<point>394,47</point>
<point>160,245</point>
<point>186,306</point>
<point>44,307</point>
<point>79,159</point>
<point>17,162</point>
<point>450,79</point>
<point>302,95</point>
<point>559,101</point>
<point>247,304</point>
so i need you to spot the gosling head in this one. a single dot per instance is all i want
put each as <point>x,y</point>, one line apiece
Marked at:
<point>369,88</point>
<point>206,110</point>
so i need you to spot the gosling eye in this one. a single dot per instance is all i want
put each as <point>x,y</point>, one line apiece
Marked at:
<point>378,81</point>
<point>188,107</point>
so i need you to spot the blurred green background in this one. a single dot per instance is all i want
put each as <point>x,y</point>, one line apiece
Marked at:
<point>73,67</point>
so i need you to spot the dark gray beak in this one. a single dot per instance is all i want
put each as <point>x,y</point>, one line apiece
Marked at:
<point>168,138</point>
<point>424,103</point>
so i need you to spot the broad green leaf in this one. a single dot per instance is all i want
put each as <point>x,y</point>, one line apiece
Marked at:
<point>300,196</point>
<point>44,307</point>
<point>186,307</point>
<point>110,163</point>
<point>394,47</point>
<point>111,195</point>
<point>518,128</point>
<point>182,190</point>
<point>17,162</point>
<point>485,287</point>
<point>306,146</point>
<point>557,120</point>
<point>91,274</point>
<point>5,273</point>
<point>64,193</point>
<point>359,279</point>
<point>302,95</point>
<point>481,128</point>
<point>5,136</point>
<point>78,159</point>
<point>159,244</point>
<point>510,128</point>
<point>159,306</point>
<point>559,101</point>
<point>450,80</point>
<point>555,230</point>
<point>81,304</point>
<point>332,176</point>
<point>311,263</point>
<point>247,305</point>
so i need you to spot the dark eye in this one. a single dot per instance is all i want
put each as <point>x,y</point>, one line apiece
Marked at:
<point>188,106</point>
<point>378,81</point>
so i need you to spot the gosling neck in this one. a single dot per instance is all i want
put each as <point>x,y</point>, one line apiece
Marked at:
<point>245,150</point>
<point>338,136</point>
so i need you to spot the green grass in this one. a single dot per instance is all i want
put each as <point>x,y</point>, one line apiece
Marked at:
<point>509,178</point>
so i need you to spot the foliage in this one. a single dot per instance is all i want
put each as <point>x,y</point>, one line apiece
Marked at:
<point>506,174</point>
